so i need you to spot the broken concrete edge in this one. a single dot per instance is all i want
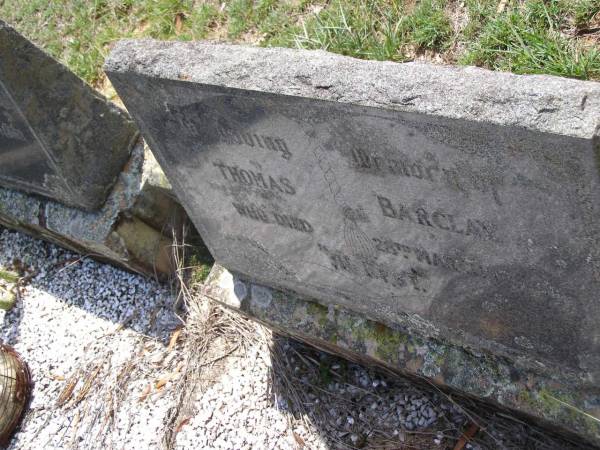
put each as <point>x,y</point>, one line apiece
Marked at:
<point>549,396</point>
<point>542,103</point>
<point>134,228</point>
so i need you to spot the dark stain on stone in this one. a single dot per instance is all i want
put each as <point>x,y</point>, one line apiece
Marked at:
<point>522,308</point>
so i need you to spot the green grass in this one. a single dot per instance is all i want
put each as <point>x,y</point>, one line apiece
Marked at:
<point>529,36</point>
<point>360,29</point>
<point>429,26</point>
<point>530,39</point>
<point>585,10</point>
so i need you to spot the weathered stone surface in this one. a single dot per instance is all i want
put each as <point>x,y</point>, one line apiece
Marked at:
<point>122,232</point>
<point>462,198</point>
<point>556,398</point>
<point>58,137</point>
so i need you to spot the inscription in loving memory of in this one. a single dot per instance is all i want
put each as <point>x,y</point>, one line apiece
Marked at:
<point>396,272</point>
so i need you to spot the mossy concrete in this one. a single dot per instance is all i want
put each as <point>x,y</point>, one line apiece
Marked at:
<point>7,299</point>
<point>551,396</point>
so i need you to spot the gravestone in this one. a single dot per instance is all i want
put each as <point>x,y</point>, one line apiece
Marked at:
<point>58,137</point>
<point>461,201</point>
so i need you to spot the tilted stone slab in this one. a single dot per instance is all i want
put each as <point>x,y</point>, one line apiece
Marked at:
<point>58,137</point>
<point>464,200</point>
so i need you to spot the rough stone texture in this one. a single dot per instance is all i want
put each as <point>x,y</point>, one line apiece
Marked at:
<point>124,231</point>
<point>461,200</point>
<point>58,137</point>
<point>541,103</point>
<point>555,398</point>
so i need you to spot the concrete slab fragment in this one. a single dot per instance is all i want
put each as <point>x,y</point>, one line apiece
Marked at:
<point>124,231</point>
<point>556,399</point>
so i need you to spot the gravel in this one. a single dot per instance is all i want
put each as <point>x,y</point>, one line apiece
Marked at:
<point>73,315</point>
<point>106,357</point>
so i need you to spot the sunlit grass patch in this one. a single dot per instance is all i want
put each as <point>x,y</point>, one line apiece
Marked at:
<point>530,39</point>
<point>527,36</point>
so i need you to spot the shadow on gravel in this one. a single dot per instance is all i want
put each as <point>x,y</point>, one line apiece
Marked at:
<point>354,407</point>
<point>128,300</point>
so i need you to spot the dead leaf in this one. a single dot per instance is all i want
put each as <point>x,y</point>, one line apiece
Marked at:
<point>87,385</point>
<point>56,377</point>
<point>174,337</point>
<point>466,437</point>
<point>501,6</point>
<point>183,423</point>
<point>299,439</point>
<point>160,383</point>
<point>145,393</point>
<point>179,17</point>
<point>67,392</point>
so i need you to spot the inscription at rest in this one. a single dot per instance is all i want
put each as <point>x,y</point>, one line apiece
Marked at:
<point>257,179</point>
<point>260,214</point>
<point>437,219</point>
<point>233,137</point>
<point>369,268</point>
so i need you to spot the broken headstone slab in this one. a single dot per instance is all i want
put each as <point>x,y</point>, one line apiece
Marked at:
<point>58,137</point>
<point>465,199</point>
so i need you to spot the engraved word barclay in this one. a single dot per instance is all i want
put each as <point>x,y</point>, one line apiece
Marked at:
<point>437,219</point>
